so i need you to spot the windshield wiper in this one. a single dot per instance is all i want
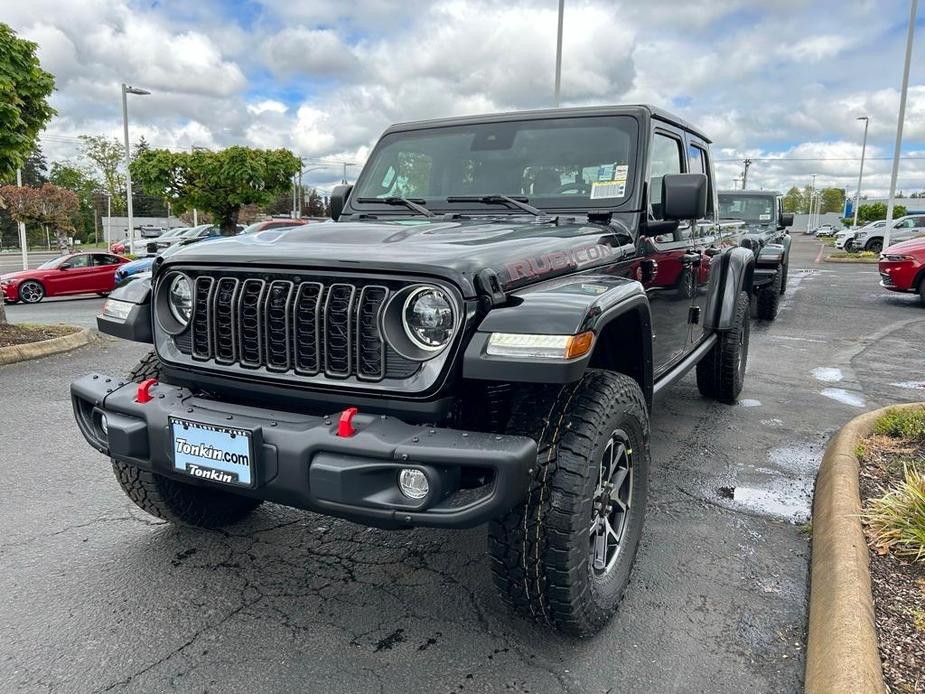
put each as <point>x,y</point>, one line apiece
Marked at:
<point>410,203</point>
<point>518,202</point>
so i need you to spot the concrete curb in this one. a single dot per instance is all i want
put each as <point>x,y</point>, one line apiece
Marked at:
<point>841,653</point>
<point>44,348</point>
<point>853,261</point>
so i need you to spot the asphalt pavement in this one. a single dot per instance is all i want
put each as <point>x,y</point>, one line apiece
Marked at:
<point>99,596</point>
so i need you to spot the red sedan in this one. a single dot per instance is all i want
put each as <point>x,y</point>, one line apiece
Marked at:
<point>902,267</point>
<point>78,273</point>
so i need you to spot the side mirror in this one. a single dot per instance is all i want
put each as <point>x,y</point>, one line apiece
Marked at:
<point>786,219</point>
<point>684,196</point>
<point>65,266</point>
<point>339,200</point>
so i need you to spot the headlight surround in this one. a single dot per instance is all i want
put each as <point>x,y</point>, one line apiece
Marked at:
<point>421,320</point>
<point>428,318</point>
<point>180,298</point>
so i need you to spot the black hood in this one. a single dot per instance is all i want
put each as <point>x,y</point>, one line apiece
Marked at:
<point>519,250</point>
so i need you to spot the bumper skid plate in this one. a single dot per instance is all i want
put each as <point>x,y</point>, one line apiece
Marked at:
<point>300,460</point>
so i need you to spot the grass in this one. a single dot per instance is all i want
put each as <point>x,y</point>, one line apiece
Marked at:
<point>897,519</point>
<point>857,256</point>
<point>906,423</point>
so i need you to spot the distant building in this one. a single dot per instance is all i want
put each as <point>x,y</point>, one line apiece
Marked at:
<point>118,226</point>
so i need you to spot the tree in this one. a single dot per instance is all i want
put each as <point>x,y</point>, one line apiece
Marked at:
<point>873,212</point>
<point>793,200</point>
<point>217,182</point>
<point>315,204</point>
<point>78,179</point>
<point>51,206</point>
<point>832,200</point>
<point>24,91</point>
<point>106,155</point>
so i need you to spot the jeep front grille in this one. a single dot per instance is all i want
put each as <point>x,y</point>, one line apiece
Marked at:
<point>289,325</point>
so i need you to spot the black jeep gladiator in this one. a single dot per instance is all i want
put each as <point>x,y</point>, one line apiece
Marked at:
<point>478,337</point>
<point>765,233</point>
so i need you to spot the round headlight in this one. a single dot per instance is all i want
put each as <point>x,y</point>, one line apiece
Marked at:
<point>427,316</point>
<point>180,298</point>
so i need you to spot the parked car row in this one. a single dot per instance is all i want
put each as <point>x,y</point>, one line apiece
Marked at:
<point>100,272</point>
<point>870,237</point>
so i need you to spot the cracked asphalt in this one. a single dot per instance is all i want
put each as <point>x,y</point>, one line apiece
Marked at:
<point>97,596</point>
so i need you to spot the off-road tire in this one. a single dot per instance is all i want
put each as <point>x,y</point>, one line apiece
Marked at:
<point>769,297</point>
<point>540,550</point>
<point>175,501</point>
<point>721,373</point>
<point>41,294</point>
<point>785,270</point>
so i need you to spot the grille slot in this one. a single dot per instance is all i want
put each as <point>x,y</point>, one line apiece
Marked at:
<point>338,312</point>
<point>282,324</point>
<point>277,325</point>
<point>201,328</point>
<point>250,321</point>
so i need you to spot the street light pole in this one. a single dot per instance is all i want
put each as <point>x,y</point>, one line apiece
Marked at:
<point>108,220</point>
<point>812,197</point>
<point>126,90</point>
<point>857,195</point>
<point>559,51</point>
<point>22,230</point>
<point>910,35</point>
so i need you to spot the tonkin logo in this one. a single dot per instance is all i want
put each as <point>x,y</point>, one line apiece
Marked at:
<point>207,473</point>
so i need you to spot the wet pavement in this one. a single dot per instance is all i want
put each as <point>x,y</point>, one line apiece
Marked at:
<point>100,597</point>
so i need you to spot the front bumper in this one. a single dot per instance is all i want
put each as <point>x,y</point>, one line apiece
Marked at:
<point>300,460</point>
<point>10,292</point>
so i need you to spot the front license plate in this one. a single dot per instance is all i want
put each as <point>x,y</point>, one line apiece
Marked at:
<point>213,453</point>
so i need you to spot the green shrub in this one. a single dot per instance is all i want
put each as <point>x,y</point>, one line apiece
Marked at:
<point>906,423</point>
<point>897,519</point>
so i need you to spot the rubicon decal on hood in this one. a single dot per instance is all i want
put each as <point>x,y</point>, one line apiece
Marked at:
<point>558,261</point>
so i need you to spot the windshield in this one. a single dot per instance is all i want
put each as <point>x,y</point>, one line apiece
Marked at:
<point>748,208</point>
<point>53,263</point>
<point>557,162</point>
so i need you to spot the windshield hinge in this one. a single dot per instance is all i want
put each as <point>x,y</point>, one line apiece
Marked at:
<point>488,285</point>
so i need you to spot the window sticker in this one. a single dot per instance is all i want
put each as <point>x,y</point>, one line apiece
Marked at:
<point>764,217</point>
<point>611,182</point>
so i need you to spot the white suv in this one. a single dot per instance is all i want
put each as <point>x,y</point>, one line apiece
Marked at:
<point>905,228</point>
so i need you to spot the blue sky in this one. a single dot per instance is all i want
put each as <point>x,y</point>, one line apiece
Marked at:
<point>779,80</point>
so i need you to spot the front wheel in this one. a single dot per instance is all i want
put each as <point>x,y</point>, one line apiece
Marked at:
<point>721,373</point>
<point>31,292</point>
<point>783,277</point>
<point>922,291</point>
<point>874,246</point>
<point>564,555</point>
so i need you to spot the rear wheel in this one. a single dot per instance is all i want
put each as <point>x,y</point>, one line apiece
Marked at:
<point>175,501</point>
<point>769,297</point>
<point>31,292</point>
<point>721,373</point>
<point>564,555</point>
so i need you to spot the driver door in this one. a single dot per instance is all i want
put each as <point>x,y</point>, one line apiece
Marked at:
<point>73,276</point>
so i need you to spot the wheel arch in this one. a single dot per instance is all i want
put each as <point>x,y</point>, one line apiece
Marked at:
<point>731,272</point>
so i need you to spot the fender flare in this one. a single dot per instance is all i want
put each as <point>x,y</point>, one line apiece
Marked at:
<point>771,256</point>
<point>732,275</point>
<point>565,306</point>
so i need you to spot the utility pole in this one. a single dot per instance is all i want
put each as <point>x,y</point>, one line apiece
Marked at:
<point>108,234</point>
<point>559,52</point>
<point>748,162</point>
<point>812,197</point>
<point>899,126</point>
<point>857,195</point>
<point>22,230</point>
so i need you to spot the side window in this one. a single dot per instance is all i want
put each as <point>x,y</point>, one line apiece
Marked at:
<point>79,261</point>
<point>664,158</point>
<point>699,163</point>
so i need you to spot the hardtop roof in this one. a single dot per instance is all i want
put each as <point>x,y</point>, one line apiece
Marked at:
<point>614,110</point>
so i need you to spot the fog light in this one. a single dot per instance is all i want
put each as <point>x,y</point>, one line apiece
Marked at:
<point>104,424</point>
<point>413,483</point>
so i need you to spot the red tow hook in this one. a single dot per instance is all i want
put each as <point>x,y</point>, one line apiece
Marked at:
<point>345,427</point>
<point>144,390</point>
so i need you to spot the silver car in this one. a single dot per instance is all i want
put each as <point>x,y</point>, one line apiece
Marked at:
<point>870,238</point>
